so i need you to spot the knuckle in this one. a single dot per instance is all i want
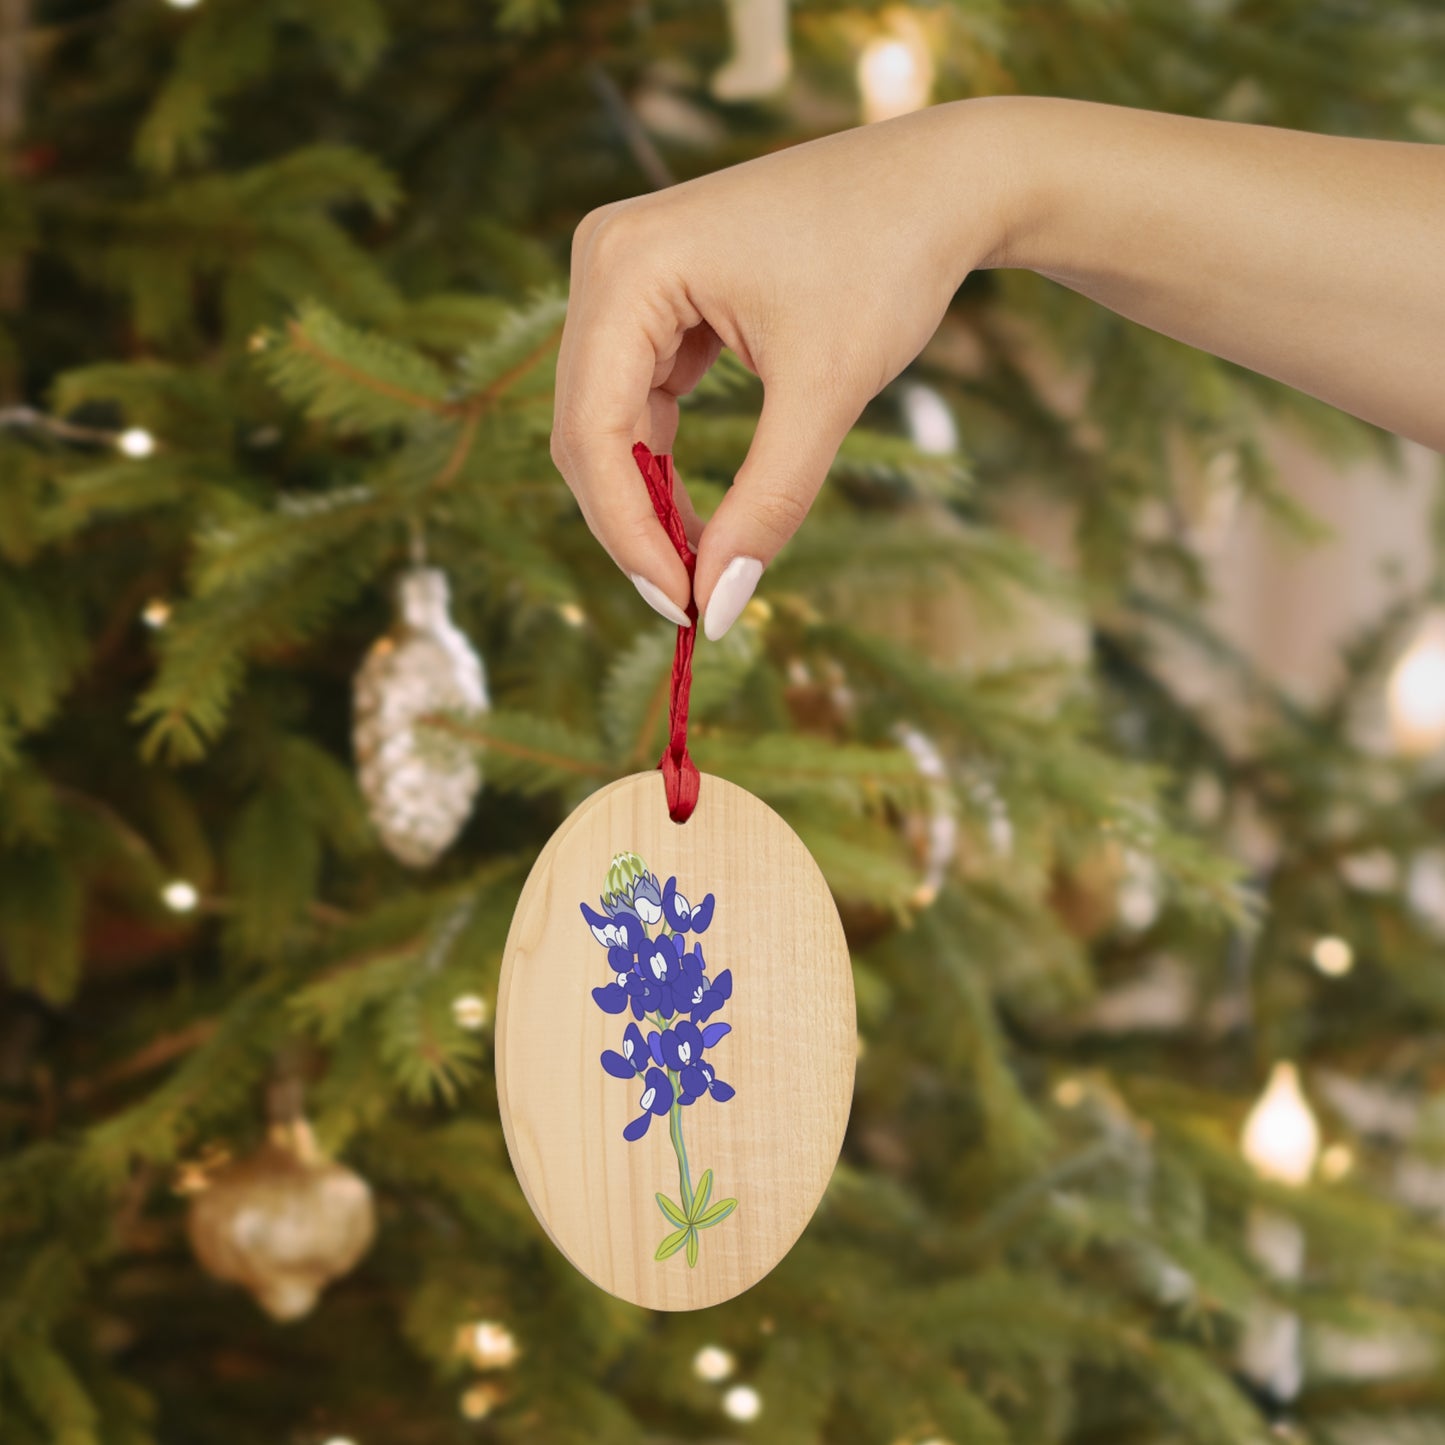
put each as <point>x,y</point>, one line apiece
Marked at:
<point>602,234</point>
<point>780,512</point>
<point>564,435</point>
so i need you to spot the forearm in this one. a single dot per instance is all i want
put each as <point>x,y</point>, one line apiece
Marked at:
<point>1313,259</point>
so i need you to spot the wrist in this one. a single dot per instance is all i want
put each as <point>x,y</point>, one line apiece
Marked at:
<point>1013,142</point>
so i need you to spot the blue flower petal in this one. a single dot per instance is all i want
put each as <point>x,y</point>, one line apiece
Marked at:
<point>634,1048</point>
<point>611,999</point>
<point>713,1032</point>
<point>672,910</point>
<point>621,958</point>
<point>722,1092</point>
<point>637,1128</point>
<point>617,1066</point>
<point>702,915</point>
<point>660,1087</point>
<point>654,1046</point>
<point>723,984</point>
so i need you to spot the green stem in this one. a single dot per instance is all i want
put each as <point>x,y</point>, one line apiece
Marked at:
<point>674,1129</point>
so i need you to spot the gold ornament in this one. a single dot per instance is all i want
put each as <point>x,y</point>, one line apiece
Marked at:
<point>821,702</point>
<point>282,1222</point>
<point>419,790</point>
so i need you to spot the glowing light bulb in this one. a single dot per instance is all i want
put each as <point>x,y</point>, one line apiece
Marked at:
<point>1333,956</point>
<point>895,74</point>
<point>1415,694</point>
<point>571,614</point>
<point>1337,1161</point>
<point>476,1403</point>
<point>743,1403</point>
<point>470,1011</point>
<point>136,441</point>
<point>490,1345</point>
<point>183,4</point>
<point>340,1440</point>
<point>1068,1093</point>
<point>713,1363</point>
<point>930,423</point>
<point>1281,1138</point>
<point>180,896</point>
<point>156,612</point>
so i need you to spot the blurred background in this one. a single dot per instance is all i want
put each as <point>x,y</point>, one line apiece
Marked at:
<point>1106,683</point>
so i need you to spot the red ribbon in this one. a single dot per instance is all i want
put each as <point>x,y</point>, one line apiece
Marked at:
<point>679,772</point>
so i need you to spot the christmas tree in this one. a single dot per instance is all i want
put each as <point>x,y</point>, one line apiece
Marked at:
<point>305,651</point>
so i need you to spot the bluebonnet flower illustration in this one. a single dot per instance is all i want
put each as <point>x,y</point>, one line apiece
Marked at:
<point>656,1099</point>
<point>636,1055</point>
<point>680,915</point>
<point>664,982</point>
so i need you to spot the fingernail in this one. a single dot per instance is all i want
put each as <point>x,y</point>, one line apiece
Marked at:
<point>659,601</point>
<point>730,596</point>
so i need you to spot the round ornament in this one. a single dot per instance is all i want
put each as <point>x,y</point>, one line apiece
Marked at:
<point>676,1037</point>
<point>283,1222</point>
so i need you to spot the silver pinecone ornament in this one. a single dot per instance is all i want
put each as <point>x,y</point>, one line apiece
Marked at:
<point>419,784</point>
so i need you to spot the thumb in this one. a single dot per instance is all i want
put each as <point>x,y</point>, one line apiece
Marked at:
<point>797,437</point>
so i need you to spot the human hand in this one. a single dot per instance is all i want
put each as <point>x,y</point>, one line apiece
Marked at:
<point>825,268</point>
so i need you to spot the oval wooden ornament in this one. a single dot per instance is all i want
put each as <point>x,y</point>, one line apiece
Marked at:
<point>630,1147</point>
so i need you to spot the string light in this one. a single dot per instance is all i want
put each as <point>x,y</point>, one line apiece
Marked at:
<point>1415,694</point>
<point>470,1011</point>
<point>180,896</point>
<point>135,441</point>
<point>743,1403</point>
<point>156,612</point>
<point>1281,1138</point>
<point>1337,1161</point>
<point>930,423</point>
<point>1139,896</point>
<point>489,1345</point>
<point>340,1440</point>
<point>713,1363</point>
<point>1333,956</point>
<point>895,71</point>
<point>476,1403</point>
<point>571,614</point>
<point>183,4</point>
<point>1068,1093</point>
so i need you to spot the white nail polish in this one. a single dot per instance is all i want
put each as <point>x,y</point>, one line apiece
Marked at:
<point>659,601</point>
<point>730,596</point>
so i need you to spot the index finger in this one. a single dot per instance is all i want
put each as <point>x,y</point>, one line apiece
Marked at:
<point>615,341</point>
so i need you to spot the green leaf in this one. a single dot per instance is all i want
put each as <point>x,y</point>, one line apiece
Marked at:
<point>671,1210</point>
<point>716,1214</point>
<point>700,1195</point>
<point>692,1249</point>
<point>673,1243</point>
<point>358,381</point>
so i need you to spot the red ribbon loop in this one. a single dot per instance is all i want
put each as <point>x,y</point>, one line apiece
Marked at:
<point>679,772</point>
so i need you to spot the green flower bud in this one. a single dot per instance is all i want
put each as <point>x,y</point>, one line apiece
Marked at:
<point>626,869</point>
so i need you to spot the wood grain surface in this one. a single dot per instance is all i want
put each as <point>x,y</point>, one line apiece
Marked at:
<point>789,1056</point>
